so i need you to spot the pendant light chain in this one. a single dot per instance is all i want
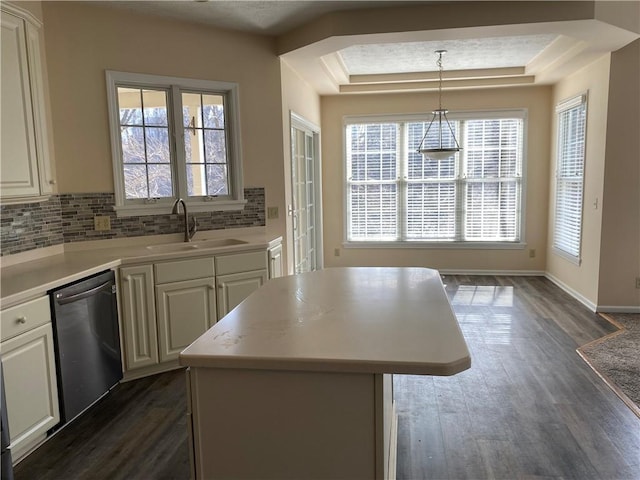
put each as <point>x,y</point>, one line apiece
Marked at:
<point>439,118</point>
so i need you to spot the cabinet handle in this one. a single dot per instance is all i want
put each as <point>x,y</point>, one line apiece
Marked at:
<point>52,182</point>
<point>21,320</point>
<point>127,278</point>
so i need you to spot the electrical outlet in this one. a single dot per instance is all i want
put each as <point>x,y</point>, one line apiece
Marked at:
<point>336,252</point>
<point>101,223</point>
<point>272,212</point>
<point>532,253</point>
<point>637,282</point>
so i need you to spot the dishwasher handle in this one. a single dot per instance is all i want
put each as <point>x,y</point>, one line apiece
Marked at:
<point>64,299</point>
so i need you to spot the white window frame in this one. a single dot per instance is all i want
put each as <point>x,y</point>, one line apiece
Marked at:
<point>174,86</point>
<point>440,244</point>
<point>559,246</point>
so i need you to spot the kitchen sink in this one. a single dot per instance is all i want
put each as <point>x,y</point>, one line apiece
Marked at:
<point>198,244</point>
<point>172,247</point>
<point>218,242</point>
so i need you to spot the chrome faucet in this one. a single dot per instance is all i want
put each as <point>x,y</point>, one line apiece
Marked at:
<point>189,231</point>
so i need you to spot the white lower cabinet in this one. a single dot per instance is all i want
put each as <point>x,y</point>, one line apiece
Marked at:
<point>185,310</point>
<point>237,276</point>
<point>28,364</point>
<point>235,287</point>
<point>167,305</point>
<point>138,312</point>
<point>276,267</point>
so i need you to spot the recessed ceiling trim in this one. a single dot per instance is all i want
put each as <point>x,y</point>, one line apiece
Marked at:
<point>433,85</point>
<point>430,76</point>
<point>335,67</point>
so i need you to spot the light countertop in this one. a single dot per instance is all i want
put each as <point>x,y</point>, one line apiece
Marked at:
<point>361,319</point>
<point>32,277</point>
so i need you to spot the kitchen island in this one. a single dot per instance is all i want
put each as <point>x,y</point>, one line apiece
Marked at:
<point>296,382</point>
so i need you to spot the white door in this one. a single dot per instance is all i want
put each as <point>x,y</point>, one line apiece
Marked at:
<point>305,196</point>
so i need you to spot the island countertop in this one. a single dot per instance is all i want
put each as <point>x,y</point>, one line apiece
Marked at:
<point>357,319</point>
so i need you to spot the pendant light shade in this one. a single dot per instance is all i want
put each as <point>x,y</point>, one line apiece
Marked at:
<point>440,122</point>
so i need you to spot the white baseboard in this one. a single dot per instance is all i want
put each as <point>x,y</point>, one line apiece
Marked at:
<point>578,296</point>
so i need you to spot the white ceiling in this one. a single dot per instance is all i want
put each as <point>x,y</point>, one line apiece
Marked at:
<point>482,56</point>
<point>462,54</point>
<point>268,17</point>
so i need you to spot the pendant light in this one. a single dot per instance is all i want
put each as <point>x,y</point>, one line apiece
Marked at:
<point>439,116</point>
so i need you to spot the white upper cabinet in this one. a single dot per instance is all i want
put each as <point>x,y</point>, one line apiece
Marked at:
<point>24,156</point>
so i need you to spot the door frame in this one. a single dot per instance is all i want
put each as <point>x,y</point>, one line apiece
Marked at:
<point>299,122</point>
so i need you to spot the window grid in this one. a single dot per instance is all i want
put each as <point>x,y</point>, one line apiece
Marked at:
<point>442,200</point>
<point>205,144</point>
<point>147,173</point>
<point>164,174</point>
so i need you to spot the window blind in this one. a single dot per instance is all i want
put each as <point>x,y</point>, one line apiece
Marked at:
<point>570,176</point>
<point>372,176</point>
<point>396,194</point>
<point>492,170</point>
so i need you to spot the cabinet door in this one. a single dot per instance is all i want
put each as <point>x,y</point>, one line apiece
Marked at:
<point>138,316</point>
<point>36,80</point>
<point>31,390</point>
<point>185,311</point>
<point>18,158</point>
<point>275,262</point>
<point>234,288</point>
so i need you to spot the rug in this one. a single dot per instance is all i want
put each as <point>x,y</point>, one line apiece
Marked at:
<point>616,357</point>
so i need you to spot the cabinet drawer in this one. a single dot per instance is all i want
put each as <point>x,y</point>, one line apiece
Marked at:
<point>24,317</point>
<point>184,270</point>
<point>241,262</point>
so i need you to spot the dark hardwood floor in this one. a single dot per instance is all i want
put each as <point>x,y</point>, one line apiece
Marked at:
<point>138,431</point>
<point>529,407</point>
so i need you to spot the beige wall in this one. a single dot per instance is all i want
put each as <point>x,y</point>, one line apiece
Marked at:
<point>620,239</point>
<point>297,97</point>
<point>83,40</point>
<point>583,279</point>
<point>537,100</point>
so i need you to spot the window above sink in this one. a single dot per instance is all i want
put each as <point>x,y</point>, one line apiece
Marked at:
<point>174,138</point>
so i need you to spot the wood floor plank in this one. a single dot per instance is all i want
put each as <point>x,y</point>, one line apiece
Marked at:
<point>535,410</point>
<point>528,409</point>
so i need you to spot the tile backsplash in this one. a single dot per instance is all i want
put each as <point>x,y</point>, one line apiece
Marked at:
<point>30,225</point>
<point>69,218</point>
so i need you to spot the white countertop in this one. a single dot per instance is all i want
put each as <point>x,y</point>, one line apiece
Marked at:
<point>362,319</point>
<point>34,277</point>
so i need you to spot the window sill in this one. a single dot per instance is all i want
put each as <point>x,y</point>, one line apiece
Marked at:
<point>165,208</point>
<point>439,245</point>
<point>567,256</point>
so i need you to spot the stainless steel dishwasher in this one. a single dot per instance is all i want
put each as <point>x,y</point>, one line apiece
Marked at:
<point>87,342</point>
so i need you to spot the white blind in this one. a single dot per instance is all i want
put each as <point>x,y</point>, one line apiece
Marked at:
<point>570,176</point>
<point>493,165</point>
<point>431,187</point>
<point>396,194</point>
<point>372,157</point>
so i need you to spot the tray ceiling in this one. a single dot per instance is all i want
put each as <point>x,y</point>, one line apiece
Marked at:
<point>366,46</point>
